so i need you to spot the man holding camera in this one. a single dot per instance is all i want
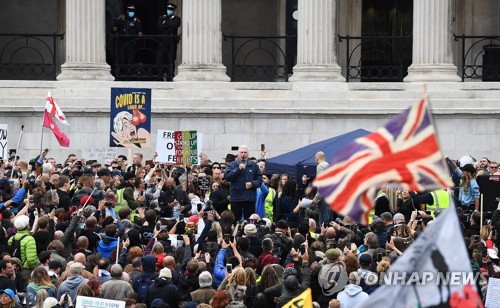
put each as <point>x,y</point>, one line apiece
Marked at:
<point>245,178</point>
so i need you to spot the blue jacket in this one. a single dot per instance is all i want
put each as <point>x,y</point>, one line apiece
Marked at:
<point>220,267</point>
<point>260,203</point>
<point>238,178</point>
<point>106,246</point>
<point>18,198</point>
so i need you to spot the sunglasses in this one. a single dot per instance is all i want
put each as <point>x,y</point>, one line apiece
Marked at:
<point>215,167</point>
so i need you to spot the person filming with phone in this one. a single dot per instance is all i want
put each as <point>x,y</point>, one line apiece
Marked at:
<point>245,177</point>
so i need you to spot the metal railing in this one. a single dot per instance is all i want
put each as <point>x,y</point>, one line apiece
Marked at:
<point>480,57</point>
<point>143,58</point>
<point>29,56</point>
<point>379,58</point>
<point>260,58</point>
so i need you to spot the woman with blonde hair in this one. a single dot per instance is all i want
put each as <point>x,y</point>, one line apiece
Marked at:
<point>236,286</point>
<point>39,280</point>
<point>487,237</point>
<point>41,296</point>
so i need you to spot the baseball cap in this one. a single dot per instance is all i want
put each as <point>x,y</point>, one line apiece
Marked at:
<point>9,292</point>
<point>333,254</point>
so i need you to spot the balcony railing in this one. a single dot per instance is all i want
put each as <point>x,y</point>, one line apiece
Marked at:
<point>143,58</point>
<point>29,56</point>
<point>376,58</point>
<point>260,58</point>
<point>480,57</point>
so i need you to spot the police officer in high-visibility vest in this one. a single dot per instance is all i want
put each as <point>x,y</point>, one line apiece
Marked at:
<point>436,201</point>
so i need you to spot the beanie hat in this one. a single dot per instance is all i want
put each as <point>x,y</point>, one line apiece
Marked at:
<point>165,273</point>
<point>86,200</point>
<point>21,222</point>
<point>289,271</point>
<point>333,254</point>
<point>194,219</point>
<point>250,229</point>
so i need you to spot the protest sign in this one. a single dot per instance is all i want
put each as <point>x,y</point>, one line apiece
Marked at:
<point>493,293</point>
<point>99,154</point>
<point>95,302</point>
<point>178,147</point>
<point>130,121</point>
<point>4,151</point>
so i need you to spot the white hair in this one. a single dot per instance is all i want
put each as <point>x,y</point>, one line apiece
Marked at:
<point>118,120</point>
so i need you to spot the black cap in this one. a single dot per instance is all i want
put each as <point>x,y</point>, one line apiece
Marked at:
<point>469,167</point>
<point>230,158</point>
<point>130,8</point>
<point>171,6</point>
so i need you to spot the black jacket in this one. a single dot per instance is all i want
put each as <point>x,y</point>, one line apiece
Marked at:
<point>64,200</point>
<point>164,289</point>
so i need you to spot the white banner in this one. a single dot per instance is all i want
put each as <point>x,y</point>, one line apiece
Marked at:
<point>99,154</point>
<point>178,147</point>
<point>94,302</point>
<point>4,150</point>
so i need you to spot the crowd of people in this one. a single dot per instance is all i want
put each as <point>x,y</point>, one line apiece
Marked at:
<point>216,234</point>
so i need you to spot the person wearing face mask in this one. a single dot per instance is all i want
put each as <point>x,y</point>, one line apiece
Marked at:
<point>168,26</point>
<point>127,24</point>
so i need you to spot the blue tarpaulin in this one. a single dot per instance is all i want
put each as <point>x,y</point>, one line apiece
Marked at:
<point>301,161</point>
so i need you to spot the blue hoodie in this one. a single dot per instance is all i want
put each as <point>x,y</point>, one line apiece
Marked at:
<point>106,246</point>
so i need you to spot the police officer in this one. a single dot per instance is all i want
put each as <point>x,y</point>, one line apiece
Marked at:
<point>168,26</point>
<point>127,24</point>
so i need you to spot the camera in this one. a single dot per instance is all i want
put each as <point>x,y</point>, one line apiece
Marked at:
<point>229,268</point>
<point>108,204</point>
<point>302,249</point>
<point>475,238</point>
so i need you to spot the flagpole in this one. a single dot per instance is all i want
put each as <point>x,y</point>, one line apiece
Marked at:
<point>17,150</point>
<point>481,209</point>
<point>41,139</point>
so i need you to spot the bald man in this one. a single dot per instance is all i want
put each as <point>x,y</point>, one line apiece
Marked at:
<point>169,262</point>
<point>79,257</point>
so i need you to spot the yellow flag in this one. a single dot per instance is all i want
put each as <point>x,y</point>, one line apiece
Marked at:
<point>304,300</point>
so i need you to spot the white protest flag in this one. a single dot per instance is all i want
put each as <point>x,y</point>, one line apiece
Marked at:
<point>54,110</point>
<point>434,271</point>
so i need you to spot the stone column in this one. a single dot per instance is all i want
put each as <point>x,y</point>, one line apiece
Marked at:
<point>316,42</point>
<point>432,42</point>
<point>201,42</point>
<point>85,42</point>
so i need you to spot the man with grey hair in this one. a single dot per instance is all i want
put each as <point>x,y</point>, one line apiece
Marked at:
<point>71,284</point>
<point>245,177</point>
<point>205,293</point>
<point>117,288</point>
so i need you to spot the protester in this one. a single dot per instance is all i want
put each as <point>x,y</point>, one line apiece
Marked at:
<point>146,243</point>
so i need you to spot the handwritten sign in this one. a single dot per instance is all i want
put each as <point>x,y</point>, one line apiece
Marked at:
<point>179,147</point>
<point>493,293</point>
<point>99,154</point>
<point>4,151</point>
<point>94,302</point>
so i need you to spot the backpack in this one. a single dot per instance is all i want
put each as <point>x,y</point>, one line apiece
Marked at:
<point>143,284</point>
<point>15,246</point>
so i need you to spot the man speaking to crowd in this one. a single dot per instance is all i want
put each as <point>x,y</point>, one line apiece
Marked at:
<point>245,178</point>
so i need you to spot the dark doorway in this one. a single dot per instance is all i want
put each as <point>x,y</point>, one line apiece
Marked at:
<point>387,52</point>
<point>291,31</point>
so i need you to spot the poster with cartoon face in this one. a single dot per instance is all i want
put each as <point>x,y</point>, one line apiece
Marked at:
<point>130,121</point>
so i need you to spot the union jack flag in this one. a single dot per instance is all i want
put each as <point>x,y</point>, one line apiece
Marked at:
<point>404,151</point>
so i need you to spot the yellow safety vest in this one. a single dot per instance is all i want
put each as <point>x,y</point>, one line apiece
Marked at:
<point>441,201</point>
<point>121,203</point>
<point>372,211</point>
<point>268,203</point>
